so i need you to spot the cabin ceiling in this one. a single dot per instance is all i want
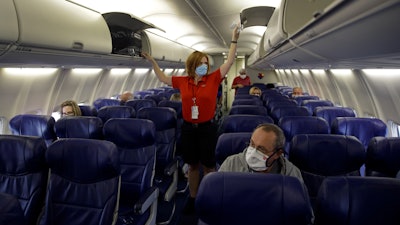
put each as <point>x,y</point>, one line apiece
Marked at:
<point>203,25</point>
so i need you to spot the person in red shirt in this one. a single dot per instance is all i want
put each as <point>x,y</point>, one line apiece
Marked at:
<point>241,80</point>
<point>199,99</point>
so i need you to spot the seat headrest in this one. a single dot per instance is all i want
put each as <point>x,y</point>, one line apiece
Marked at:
<point>116,111</point>
<point>89,127</point>
<point>293,125</point>
<point>252,198</point>
<point>130,132</point>
<point>230,144</point>
<point>163,117</point>
<point>242,123</point>
<point>383,156</point>
<point>173,104</point>
<point>83,160</point>
<point>21,154</point>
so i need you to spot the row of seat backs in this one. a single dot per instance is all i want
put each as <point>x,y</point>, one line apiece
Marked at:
<point>278,199</point>
<point>80,188</point>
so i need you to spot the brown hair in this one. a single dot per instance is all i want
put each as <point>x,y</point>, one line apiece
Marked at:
<point>193,61</point>
<point>75,107</point>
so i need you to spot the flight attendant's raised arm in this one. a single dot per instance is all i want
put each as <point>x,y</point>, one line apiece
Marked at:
<point>160,74</point>
<point>232,53</point>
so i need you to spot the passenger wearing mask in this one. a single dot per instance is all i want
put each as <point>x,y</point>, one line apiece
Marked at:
<point>241,80</point>
<point>70,108</point>
<point>125,96</point>
<point>255,91</point>
<point>199,99</point>
<point>263,155</point>
<point>297,91</point>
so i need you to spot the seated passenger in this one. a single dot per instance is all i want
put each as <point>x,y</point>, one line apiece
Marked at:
<point>297,91</point>
<point>125,96</point>
<point>70,108</point>
<point>176,97</point>
<point>264,154</point>
<point>255,91</point>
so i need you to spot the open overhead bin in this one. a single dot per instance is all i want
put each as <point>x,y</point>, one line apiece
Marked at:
<point>8,25</point>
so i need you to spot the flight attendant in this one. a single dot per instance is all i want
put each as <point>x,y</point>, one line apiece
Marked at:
<point>199,99</point>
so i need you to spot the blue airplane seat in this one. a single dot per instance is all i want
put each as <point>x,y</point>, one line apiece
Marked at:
<point>23,172</point>
<point>137,104</point>
<point>242,123</point>
<point>358,200</point>
<point>157,98</point>
<point>88,127</point>
<point>248,109</point>
<point>330,113</point>
<point>323,155</point>
<point>177,106</point>
<point>231,143</point>
<point>273,103</point>
<point>88,110</point>
<point>34,125</point>
<point>101,102</point>
<point>300,99</point>
<point>287,110</point>
<point>383,157</point>
<point>116,111</point>
<point>252,198</point>
<point>243,90</point>
<point>166,176</point>
<point>245,96</point>
<point>294,125</point>
<point>84,182</point>
<point>312,104</point>
<point>136,142</point>
<point>256,101</point>
<point>10,210</point>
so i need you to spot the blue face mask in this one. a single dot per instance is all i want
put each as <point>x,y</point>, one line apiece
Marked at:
<point>201,70</point>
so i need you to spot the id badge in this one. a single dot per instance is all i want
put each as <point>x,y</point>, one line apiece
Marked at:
<point>195,112</point>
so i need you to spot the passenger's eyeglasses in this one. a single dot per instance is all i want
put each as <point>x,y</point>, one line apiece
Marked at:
<point>262,150</point>
<point>68,113</point>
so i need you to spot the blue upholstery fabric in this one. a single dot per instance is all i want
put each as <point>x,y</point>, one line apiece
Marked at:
<point>249,110</point>
<point>312,104</point>
<point>383,157</point>
<point>88,127</point>
<point>322,155</point>
<point>88,110</point>
<point>101,102</point>
<point>10,210</point>
<point>23,172</point>
<point>84,182</point>
<point>294,125</point>
<point>252,198</point>
<point>34,125</point>
<point>137,104</point>
<point>256,101</point>
<point>242,123</point>
<point>358,201</point>
<point>116,111</point>
<point>330,113</point>
<point>279,102</point>
<point>136,142</point>
<point>287,110</point>
<point>178,109</point>
<point>230,144</point>
<point>300,99</point>
<point>362,128</point>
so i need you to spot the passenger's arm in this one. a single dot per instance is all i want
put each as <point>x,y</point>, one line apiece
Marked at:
<point>160,74</point>
<point>232,53</point>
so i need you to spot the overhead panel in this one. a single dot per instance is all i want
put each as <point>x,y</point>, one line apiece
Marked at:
<point>8,24</point>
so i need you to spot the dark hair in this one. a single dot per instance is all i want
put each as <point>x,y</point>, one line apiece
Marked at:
<point>280,136</point>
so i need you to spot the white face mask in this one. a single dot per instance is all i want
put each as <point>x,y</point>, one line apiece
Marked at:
<point>256,160</point>
<point>243,76</point>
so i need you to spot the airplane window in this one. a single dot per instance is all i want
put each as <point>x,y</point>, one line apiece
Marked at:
<point>2,122</point>
<point>393,128</point>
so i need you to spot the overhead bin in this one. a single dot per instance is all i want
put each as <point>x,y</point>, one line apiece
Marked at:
<point>61,25</point>
<point>8,25</point>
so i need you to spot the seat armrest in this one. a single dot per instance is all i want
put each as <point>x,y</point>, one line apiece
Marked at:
<point>146,200</point>
<point>171,168</point>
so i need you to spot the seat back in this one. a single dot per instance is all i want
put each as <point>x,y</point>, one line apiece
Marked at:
<point>330,113</point>
<point>323,155</point>
<point>362,128</point>
<point>312,104</point>
<point>23,172</point>
<point>101,102</point>
<point>34,125</point>
<point>383,157</point>
<point>116,111</point>
<point>242,123</point>
<point>88,110</point>
<point>300,99</point>
<point>88,127</point>
<point>225,197</point>
<point>137,104</point>
<point>281,111</point>
<point>294,125</point>
<point>136,142</point>
<point>358,200</point>
<point>249,110</point>
<point>179,120</point>
<point>256,101</point>
<point>84,182</point>
<point>10,210</point>
<point>230,144</point>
